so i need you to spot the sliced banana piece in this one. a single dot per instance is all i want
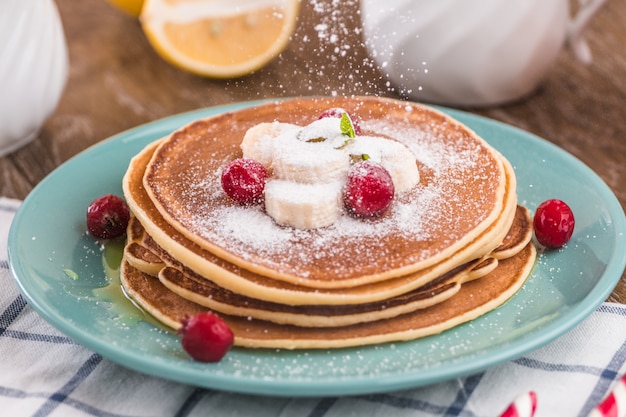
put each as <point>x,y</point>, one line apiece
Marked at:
<point>308,162</point>
<point>303,206</point>
<point>309,167</point>
<point>326,130</point>
<point>402,165</point>
<point>258,142</point>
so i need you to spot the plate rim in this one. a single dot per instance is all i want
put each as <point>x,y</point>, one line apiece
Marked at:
<point>310,388</point>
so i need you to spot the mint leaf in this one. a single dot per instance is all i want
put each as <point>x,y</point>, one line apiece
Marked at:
<point>346,126</point>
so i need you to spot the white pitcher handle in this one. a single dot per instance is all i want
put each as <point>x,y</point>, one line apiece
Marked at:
<point>575,38</point>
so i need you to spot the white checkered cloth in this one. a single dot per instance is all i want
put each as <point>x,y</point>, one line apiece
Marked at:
<point>44,373</point>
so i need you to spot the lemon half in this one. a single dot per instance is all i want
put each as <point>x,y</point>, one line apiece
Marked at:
<point>219,38</point>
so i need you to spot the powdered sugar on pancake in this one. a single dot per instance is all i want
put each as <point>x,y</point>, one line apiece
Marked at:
<point>430,150</point>
<point>459,195</point>
<point>251,233</point>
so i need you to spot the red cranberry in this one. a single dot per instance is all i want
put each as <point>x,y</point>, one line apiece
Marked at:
<point>553,223</point>
<point>206,337</point>
<point>107,217</point>
<point>244,181</point>
<point>369,190</point>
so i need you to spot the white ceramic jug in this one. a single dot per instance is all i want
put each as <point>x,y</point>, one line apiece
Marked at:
<point>471,52</point>
<point>33,68</point>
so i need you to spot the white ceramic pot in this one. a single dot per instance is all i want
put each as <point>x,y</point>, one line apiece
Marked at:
<point>471,52</point>
<point>33,68</point>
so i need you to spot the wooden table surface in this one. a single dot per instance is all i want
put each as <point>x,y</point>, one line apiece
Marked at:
<point>116,81</point>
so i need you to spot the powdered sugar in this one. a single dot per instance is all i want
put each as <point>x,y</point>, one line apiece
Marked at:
<point>247,226</point>
<point>429,149</point>
<point>454,195</point>
<point>250,232</point>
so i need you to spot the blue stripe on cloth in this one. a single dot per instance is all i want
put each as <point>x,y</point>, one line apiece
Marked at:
<point>191,402</point>
<point>322,407</point>
<point>10,314</point>
<point>456,408</point>
<point>556,367</point>
<point>85,408</point>
<point>610,373</point>
<point>36,337</point>
<point>619,309</point>
<point>8,208</point>
<point>92,411</point>
<point>16,393</point>
<point>606,376</point>
<point>406,403</point>
<point>62,394</point>
<point>613,371</point>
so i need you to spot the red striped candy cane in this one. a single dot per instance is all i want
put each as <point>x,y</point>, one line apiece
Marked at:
<point>615,404</point>
<point>523,406</point>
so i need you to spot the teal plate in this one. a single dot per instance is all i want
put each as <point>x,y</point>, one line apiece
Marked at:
<point>59,270</point>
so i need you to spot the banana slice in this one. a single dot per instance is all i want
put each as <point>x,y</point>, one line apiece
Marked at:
<point>402,165</point>
<point>326,130</point>
<point>310,166</point>
<point>393,155</point>
<point>308,162</point>
<point>303,206</point>
<point>258,142</point>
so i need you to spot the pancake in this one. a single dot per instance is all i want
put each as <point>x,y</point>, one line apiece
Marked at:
<point>144,254</point>
<point>520,232</point>
<point>187,284</point>
<point>200,290</point>
<point>138,249</point>
<point>205,293</point>
<point>474,299</point>
<point>466,196</point>
<point>242,281</point>
<point>453,245</point>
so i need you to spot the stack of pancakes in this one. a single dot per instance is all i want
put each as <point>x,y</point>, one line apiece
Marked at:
<point>455,247</point>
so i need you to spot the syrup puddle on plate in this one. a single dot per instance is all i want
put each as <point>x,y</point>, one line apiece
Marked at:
<point>125,310</point>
